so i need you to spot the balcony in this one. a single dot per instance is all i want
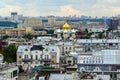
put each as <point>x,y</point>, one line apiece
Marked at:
<point>26,60</point>
<point>45,59</point>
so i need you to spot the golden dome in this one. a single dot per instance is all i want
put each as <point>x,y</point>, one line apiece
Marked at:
<point>66,26</point>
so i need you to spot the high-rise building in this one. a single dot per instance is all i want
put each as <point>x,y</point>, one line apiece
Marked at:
<point>114,23</point>
<point>51,20</point>
<point>14,16</point>
<point>34,23</point>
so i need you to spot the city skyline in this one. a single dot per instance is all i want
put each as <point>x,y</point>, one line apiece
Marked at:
<point>60,8</point>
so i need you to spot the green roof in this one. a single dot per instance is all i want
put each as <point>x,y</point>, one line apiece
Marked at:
<point>40,67</point>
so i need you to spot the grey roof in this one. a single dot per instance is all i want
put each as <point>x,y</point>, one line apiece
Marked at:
<point>63,77</point>
<point>60,77</point>
<point>52,48</point>
<point>21,48</point>
<point>37,47</point>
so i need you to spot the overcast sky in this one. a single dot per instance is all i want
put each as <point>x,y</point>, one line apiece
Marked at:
<point>60,7</point>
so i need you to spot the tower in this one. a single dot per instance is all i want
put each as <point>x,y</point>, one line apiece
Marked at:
<point>14,16</point>
<point>66,27</point>
<point>73,34</point>
<point>58,33</point>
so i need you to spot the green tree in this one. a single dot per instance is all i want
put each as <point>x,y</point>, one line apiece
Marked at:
<point>5,37</point>
<point>109,29</point>
<point>10,53</point>
<point>28,36</point>
<point>50,31</point>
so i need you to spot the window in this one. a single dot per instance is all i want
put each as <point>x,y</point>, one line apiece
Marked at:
<point>15,73</point>
<point>26,49</point>
<point>40,56</point>
<point>26,56</point>
<point>69,48</point>
<point>31,56</point>
<point>52,49</point>
<point>46,50</point>
<point>36,57</point>
<point>46,56</point>
<point>20,56</point>
<point>66,47</point>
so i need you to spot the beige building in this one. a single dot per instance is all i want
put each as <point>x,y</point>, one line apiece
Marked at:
<point>15,31</point>
<point>53,22</point>
<point>33,22</point>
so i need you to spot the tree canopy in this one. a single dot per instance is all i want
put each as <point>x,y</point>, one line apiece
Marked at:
<point>28,36</point>
<point>9,53</point>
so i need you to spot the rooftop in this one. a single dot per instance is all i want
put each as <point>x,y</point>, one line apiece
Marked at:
<point>73,76</point>
<point>6,66</point>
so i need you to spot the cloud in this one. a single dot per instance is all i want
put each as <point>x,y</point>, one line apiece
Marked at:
<point>60,7</point>
<point>66,10</point>
<point>106,1</point>
<point>8,9</point>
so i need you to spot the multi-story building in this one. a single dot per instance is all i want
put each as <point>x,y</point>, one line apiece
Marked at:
<point>114,22</point>
<point>14,17</point>
<point>19,41</point>
<point>9,71</point>
<point>8,24</point>
<point>35,23</point>
<point>35,55</point>
<point>101,56</point>
<point>51,20</point>
<point>54,23</point>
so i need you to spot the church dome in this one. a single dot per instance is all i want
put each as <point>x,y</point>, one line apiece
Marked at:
<point>66,26</point>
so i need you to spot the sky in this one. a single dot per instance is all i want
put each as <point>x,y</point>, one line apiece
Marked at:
<point>60,7</point>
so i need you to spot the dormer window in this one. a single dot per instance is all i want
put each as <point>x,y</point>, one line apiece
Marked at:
<point>46,50</point>
<point>52,49</point>
<point>26,49</point>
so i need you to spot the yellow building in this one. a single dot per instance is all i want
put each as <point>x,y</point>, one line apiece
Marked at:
<point>29,30</point>
<point>15,31</point>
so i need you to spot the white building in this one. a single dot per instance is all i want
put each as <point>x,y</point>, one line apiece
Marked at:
<point>35,55</point>
<point>8,71</point>
<point>110,56</point>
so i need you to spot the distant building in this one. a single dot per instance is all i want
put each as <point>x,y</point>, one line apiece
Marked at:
<point>114,23</point>
<point>8,24</point>
<point>51,20</point>
<point>18,41</point>
<point>35,23</point>
<point>14,16</point>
